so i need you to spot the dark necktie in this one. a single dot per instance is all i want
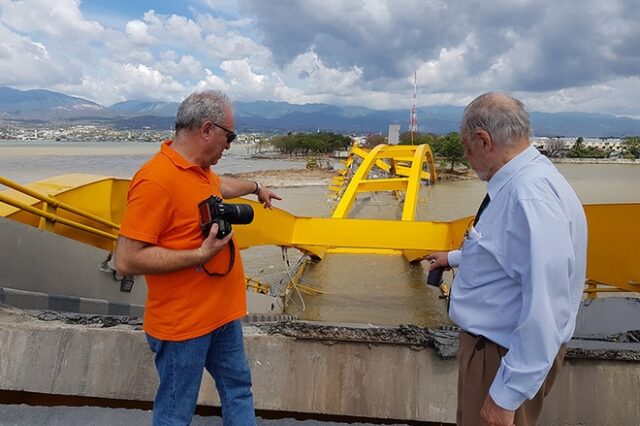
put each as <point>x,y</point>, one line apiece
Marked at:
<point>483,206</point>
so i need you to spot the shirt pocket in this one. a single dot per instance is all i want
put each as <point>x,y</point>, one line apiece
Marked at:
<point>470,261</point>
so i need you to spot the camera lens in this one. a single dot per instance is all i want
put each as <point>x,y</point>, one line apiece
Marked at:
<point>239,213</point>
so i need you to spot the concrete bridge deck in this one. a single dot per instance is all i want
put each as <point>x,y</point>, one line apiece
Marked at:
<point>398,373</point>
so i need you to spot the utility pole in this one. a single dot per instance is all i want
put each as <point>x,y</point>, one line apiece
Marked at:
<point>413,115</point>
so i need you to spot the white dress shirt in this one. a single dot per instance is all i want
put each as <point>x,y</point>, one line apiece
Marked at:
<point>522,272</point>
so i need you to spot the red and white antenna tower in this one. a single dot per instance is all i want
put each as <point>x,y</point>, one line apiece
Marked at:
<point>413,115</point>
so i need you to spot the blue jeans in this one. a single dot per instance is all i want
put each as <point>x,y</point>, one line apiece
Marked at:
<point>180,366</point>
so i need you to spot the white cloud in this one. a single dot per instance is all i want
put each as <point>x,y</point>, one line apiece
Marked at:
<point>234,46</point>
<point>127,82</point>
<point>183,30</point>
<point>323,79</point>
<point>438,75</point>
<point>60,19</point>
<point>355,52</point>
<point>138,33</point>
<point>187,65</point>
<point>212,82</point>
<point>119,48</point>
<point>612,96</point>
<point>26,63</point>
<point>140,81</point>
<point>240,74</point>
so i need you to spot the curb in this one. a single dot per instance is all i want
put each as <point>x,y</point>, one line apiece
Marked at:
<point>25,299</point>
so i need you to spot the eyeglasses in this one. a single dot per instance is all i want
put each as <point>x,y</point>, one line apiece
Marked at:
<point>231,136</point>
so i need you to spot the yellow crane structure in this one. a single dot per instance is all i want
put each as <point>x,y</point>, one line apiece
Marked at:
<point>89,208</point>
<point>407,167</point>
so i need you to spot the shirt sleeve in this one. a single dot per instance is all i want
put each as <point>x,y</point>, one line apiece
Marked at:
<point>148,211</point>
<point>453,257</point>
<point>539,254</point>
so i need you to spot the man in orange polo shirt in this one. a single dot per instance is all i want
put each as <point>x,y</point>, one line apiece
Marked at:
<point>196,288</point>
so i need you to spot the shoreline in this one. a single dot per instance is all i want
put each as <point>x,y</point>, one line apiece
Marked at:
<point>593,161</point>
<point>300,177</point>
<point>293,178</point>
<point>288,178</point>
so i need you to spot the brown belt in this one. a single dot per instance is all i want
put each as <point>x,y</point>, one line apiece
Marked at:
<point>480,340</point>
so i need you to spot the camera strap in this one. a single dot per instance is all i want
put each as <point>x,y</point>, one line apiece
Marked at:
<point>232,259</point>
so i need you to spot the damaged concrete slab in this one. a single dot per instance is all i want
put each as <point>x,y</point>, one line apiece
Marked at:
<point>403,373</point>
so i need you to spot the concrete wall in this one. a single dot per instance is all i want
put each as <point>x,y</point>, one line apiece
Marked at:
<point>42,270</point>
<point>39,261</point>
<point>341,378</point>
<point>594,393</point>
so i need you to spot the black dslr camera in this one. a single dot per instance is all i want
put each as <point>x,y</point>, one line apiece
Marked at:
<point>213,210</point>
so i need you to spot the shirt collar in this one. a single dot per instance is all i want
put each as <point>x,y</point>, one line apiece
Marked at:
<point>173,155</point>
<point>178,160</point>
<point>506,172</point>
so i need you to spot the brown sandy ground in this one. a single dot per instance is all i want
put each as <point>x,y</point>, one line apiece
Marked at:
<point>462,173</point>
<point>288,177</point>
<point>319,177</point>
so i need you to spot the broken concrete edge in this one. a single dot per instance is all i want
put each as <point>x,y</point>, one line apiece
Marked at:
<point>444,341</point>
<point>29,299</point>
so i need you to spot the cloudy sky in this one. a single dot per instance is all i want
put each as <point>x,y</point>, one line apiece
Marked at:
<point>556,55</point>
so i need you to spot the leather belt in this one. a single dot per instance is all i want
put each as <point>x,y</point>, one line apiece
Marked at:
<point>480,340</point>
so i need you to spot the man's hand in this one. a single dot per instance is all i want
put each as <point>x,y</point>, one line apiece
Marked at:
<point>265,195</point>
<point>438,259</point>
<point>211,245</point>
<point>492,414</point>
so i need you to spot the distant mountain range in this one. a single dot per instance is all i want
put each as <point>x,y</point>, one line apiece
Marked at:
<point>44,106</point>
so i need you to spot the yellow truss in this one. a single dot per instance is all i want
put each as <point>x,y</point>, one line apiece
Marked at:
<point>406,166</point>
<point>88,208</point>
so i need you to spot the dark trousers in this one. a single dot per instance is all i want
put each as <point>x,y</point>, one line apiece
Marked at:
<point>478,363</point>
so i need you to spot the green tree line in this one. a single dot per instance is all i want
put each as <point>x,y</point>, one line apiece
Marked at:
<point>632,146</point>
<point>310,143</point>
<point>446,147</point>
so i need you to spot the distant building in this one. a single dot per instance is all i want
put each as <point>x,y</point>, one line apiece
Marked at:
<point>394,134</point>
<point>548,145</point>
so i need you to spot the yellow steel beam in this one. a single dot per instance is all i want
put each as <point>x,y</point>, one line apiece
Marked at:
<point>360,152</point>
<point>319,235</point>
<point>379,163</point>
<point>52,218</point>
<point>346,201</point>
<point>392,184</point>
<point>611,258</point>
<point>404,171</point>
<point>55,203</point>
<point>86,198</point>
<point>413,188</point>
<point>398,154</point>
<point>416,156</point>
<point>614,238</point>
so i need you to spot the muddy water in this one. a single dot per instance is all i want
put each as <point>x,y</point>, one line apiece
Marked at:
<point>356,288</point>
<point>35,160</point>
<point>385,289</point>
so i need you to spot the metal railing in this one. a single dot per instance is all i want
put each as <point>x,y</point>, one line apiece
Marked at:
<point>50,207</point>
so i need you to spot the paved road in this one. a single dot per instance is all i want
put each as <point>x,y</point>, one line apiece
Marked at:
<point>25,415</point>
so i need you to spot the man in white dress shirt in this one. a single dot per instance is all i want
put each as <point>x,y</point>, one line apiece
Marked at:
<point>521,270</point>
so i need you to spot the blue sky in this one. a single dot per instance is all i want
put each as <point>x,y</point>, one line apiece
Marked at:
<point>556,55</point>
<point>94,9</point>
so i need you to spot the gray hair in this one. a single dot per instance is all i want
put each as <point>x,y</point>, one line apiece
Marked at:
<point>502,115</point>
<point>199,107</point>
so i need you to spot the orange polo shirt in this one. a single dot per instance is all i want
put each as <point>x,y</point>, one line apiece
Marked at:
<point>162,209</point>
